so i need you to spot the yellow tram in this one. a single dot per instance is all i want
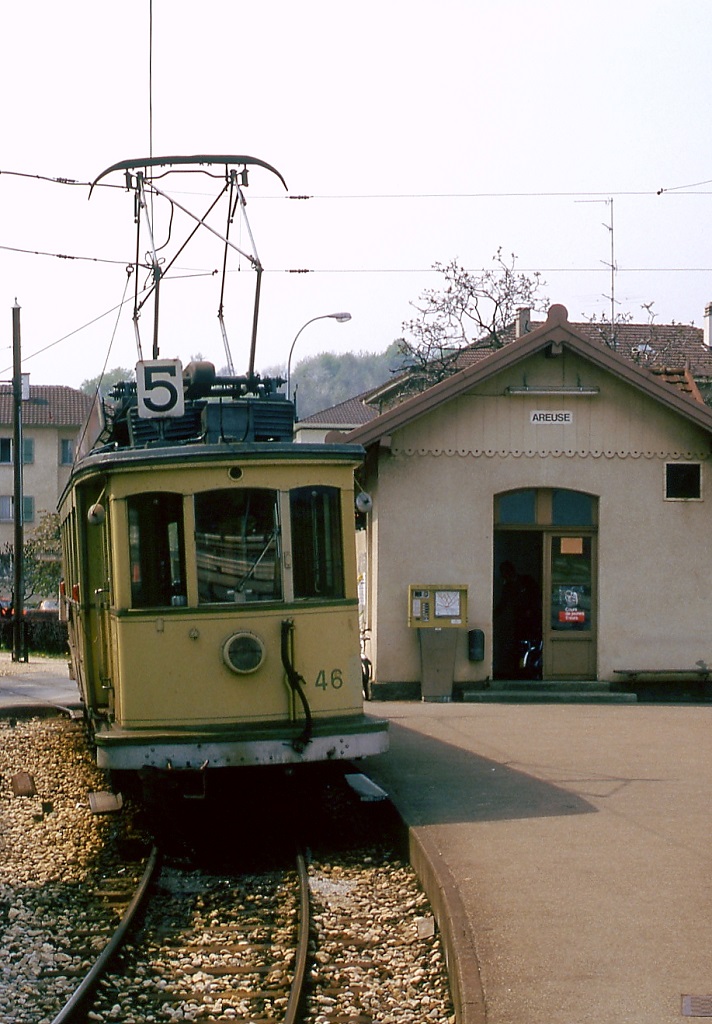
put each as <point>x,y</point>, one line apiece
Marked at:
<point>210,590</point>
<point>209,564</point>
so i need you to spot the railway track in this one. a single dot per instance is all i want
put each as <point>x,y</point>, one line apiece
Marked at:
<point>217,935</point>
<point>210,947</point>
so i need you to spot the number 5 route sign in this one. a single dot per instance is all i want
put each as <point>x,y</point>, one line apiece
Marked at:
<point>159,388</point>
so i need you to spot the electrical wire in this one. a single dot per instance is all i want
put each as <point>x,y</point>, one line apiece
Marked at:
<point>78,446</point>
<point>196,272</point>
<point>676,190</point>
<point>71,334</point>
<point>63,256</point>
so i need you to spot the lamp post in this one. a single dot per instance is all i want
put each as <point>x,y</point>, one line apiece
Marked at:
<point>339,317</point>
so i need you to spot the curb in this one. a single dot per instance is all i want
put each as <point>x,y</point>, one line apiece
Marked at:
<point>463,966</point>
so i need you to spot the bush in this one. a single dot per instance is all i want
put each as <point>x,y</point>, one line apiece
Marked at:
<point>45,634</point>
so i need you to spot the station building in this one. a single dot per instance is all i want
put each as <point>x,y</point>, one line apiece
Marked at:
<point>557,461</point>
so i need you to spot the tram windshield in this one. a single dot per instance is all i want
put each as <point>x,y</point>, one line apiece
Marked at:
<point>156,550</point>
<point>317,542</point>
<point>236,541</point>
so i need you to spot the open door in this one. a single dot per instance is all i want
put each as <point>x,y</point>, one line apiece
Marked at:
<point>517,619</point>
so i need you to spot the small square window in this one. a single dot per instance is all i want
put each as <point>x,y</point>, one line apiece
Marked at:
<point>683,481</point>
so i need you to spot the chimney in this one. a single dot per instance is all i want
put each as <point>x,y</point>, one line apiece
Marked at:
<point>708,325</point>
<point>522,322</point>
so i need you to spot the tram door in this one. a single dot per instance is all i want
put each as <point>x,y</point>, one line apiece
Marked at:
<point>97,624</point>
<point>544,588</point>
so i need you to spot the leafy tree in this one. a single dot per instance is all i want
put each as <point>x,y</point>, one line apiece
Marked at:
<point>42,564</point>
<point>104,383</point>
<point>469,309</point>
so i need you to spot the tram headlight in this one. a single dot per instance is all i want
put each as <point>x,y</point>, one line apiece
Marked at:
<point>243,652</point>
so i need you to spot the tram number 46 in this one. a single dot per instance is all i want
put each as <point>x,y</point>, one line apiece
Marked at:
<point>324,680</point>
<point>159,388</point>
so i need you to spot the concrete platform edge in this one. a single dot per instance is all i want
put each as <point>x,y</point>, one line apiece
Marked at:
<point>463,965</point>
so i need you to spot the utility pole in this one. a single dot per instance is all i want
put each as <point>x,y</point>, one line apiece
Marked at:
<point>19,651</point>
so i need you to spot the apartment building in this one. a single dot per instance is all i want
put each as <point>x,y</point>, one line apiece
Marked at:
<point>53,420</point>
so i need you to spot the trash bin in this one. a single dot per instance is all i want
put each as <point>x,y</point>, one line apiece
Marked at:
<point>475,645</point>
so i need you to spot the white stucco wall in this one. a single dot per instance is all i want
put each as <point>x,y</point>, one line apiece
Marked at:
<point>433,515</point>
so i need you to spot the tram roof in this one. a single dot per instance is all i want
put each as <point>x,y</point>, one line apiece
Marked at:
<point>125,459</point>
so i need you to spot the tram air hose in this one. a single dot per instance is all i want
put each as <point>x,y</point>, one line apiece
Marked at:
<point>296,681</point>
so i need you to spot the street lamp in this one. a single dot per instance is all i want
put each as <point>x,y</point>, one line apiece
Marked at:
<point>339,317</point>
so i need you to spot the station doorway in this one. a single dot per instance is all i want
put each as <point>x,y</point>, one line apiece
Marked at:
<point>545,585</point>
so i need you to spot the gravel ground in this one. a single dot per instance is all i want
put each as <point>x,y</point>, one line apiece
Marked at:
<point>53,854</point>
<point>377,957</point>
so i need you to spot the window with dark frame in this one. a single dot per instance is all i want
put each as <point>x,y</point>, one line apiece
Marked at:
<point>317,542</point>
<point>156,550</point>
<point>683,481</point>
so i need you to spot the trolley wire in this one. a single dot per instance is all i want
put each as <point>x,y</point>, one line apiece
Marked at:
<point>679,190</point>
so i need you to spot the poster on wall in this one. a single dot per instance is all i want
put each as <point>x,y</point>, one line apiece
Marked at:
<point>571,607</point>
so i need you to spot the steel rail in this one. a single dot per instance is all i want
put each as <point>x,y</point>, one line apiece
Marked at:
<point>75,1005</point>
<point>300,963</point>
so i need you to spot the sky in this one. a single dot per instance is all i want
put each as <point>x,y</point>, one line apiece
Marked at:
<point>570,135</point>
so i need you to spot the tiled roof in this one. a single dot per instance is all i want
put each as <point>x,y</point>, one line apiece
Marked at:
<point>676,353</point>
<point>350,413</point>
<point>49,405</point>
<point>681,377</point>
<point>670,345</point>
<point>661,383</point>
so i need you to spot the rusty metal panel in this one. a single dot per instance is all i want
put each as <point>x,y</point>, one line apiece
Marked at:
<point>102,802</point>
<point>23,784</point>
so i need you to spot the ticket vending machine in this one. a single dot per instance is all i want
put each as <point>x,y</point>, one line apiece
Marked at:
<point>439,613</point>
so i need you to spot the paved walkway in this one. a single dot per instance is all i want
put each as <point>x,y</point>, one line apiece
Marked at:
<point>579,841</point>
<point>38,681</point>
<point>573,841</point>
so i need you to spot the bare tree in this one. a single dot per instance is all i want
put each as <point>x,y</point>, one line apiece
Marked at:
<point>469,310</point>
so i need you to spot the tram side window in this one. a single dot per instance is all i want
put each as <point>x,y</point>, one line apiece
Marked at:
<point>157,550</point>
<point>236,543</point>
<point>317,542</point>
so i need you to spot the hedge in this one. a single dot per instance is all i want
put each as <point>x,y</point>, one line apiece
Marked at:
<point>44,632</point>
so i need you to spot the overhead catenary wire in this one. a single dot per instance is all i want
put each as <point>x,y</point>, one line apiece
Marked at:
<point>186,272</point>
<point>70,334</point>
<point>182,273</point>
<point>674,190</point>
<point>97,393</point>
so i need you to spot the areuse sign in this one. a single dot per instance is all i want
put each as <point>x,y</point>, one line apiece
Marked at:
<point>547,416</point>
